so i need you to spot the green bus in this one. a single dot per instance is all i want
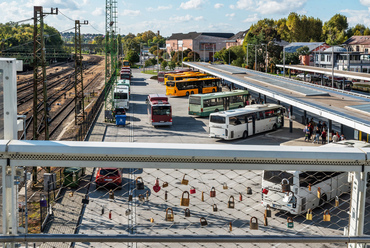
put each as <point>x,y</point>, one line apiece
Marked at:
<point>124,82</point>
<point>204,104</point>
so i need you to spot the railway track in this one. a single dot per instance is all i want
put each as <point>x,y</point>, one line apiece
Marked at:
<point>62,107</point>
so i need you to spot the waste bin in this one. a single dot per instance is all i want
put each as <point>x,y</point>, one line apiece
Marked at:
<point>120,120</point>
<point>72,176</point>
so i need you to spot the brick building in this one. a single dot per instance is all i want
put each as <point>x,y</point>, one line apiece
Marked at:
<point>205,44</point>
<point>236,40</point>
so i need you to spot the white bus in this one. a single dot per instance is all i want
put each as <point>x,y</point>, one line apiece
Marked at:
<point>309,189</point>
<point>121,97</point>
<point>243,122</point>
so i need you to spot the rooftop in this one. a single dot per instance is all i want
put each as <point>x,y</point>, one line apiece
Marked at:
<point>193,35</point>
<point>292,47</point>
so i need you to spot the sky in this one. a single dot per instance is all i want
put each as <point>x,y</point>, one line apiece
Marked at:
<point>171,16</point>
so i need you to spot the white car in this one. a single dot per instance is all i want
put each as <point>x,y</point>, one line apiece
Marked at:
<point>301,76</point>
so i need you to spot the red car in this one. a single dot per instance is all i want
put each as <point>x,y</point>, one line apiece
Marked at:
<point>108,177</point>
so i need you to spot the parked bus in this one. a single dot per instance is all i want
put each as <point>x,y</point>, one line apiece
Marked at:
<point>159,110</point>
<point>192,86</point>
<point>247,121</point>
<point>124,82</point>
<point>125,74</point>
<point>125,63</point>
<point>305,185</point>
<point>183,76</point>
<point>205,104</point>
<point>161,74</point>
<point>121,97</point>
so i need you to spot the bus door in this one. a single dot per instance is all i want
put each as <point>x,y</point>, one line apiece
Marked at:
<point>254,123</point>
<point>250,124</point>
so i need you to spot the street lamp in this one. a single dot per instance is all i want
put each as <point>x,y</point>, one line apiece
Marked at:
<point>284,61</point>
<point>332,67</point>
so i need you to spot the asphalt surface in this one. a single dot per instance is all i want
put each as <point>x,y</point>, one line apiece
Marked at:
<point>148,216</point>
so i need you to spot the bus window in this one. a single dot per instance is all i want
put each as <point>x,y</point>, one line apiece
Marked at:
<point>277,176</point>
<point>206,103</point>
<point>170,78</point>
<point>120,96</point>
<point>269,113</point>
<point>260,116</point>
<point>241,119</point>
<point>216,101</point>
<point>217,119</point>
<point>161,110</point>
<point>195,100</point>
<point>315,177</point>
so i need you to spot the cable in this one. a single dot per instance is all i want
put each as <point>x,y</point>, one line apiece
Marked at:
<point>66,16</point>
<point>95,28</point>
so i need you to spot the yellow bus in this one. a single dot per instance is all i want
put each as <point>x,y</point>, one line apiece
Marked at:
<point>183,75</point>
<point>125,63</point>
<point>191,86</point>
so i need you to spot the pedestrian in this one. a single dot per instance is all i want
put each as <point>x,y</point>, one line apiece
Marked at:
<point>342,137</point>
<point>331,133</point>
<point>310,126</point>
<point>323,137</point>
<point>317,135</point>
<point>306,131</point>
<point>335,138</point>
<point>324,126</point>
<point>319,126</point>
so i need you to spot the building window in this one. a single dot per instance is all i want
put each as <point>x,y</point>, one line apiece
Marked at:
<point>328,58</point>
<point>322,57</point>
<point>357,48</point>
<point>366,50</point>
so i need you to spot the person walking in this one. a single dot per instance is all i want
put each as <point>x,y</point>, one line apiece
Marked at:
<point>335,138</point>
<point>306,131</point>
<point>323,137</point>
<point>317,135</point>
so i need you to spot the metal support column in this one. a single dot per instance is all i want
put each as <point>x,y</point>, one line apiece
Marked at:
<point>264,99</point>
<point>341,129</point>
<point>322,79</point>
<point>305,121</point>
<point>290,119</point>
<point>330,127</point>
<point>79,86</point>
<point>40,106</point>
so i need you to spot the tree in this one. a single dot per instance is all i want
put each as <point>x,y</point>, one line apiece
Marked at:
<point>164,65</point>
<point>303,50</point>
<point>171,65</point>
<point>193,54</point>
<point>153,49</point>
<point>148,63</point>
<point>132,57</point>
<point>334,30</point>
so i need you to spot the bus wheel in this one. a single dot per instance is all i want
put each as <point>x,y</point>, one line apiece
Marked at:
<point>245,135</point>
<point>216,110</point>
<point>274,127</point>
<point>187,93</point>
<point>192,92</point>
<point>240,106</point>
<point>213,90</point>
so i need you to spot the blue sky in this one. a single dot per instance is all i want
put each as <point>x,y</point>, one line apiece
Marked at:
<point>183,16</point>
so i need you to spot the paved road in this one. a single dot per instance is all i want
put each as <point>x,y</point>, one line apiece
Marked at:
<point>187,129</point>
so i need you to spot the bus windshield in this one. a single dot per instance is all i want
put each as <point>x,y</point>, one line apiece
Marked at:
<point>170,84</point>
<point>161,110</point>
<point>120,96</point>
<point>277,176</point>
<point>218,119</point>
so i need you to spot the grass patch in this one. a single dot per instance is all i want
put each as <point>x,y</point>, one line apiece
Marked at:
<point>151,72</point>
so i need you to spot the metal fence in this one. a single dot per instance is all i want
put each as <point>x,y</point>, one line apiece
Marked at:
<point>222,208</point>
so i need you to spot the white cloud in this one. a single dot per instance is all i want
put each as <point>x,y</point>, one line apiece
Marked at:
<point>365,3</point>
<point>218,5</point>
<point>186,18</point>
<point>252,18</point>
<point>128,12</point>
<point>283,7</point>
<point>357,16</point>
<point>191,4</point>
<point>98,12</point>
<point>230,15</point>
<point>159,8</point>
<point>243,5</point>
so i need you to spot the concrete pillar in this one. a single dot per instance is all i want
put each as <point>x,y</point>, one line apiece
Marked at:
<point>290,119</point>
<point>330,127</point>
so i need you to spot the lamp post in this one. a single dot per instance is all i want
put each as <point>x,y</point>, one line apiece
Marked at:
<point>229,55</point>
<point>332,67</point>
<point>284,61</point>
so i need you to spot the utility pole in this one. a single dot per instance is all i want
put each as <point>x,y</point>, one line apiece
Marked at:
<point>255,59</point>
<point>79,86</point>
<point>40,106</point>
<point>110,54</point>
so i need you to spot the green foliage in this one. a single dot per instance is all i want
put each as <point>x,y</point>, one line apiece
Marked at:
<point>164,65</point>
<point>334,30</point>
<point>153,61</point>
<point>226,55</point>
<point>191,56</point>
<point>303,50</point>
<point>171,65</point>
<point>153,49</point>
<point>148,63</point>
<point>132,57</point>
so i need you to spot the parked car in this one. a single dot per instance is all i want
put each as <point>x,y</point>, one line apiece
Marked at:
<point>106,177</point>
<point>301,76</point>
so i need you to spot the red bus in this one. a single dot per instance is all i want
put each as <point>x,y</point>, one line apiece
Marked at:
<point>125,73</point>
<point>159,110</point>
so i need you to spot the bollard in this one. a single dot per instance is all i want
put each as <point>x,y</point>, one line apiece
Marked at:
<point>165,196</point>
<point>111,195</point>
<point>102,210</point>
<point>110,214</point>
